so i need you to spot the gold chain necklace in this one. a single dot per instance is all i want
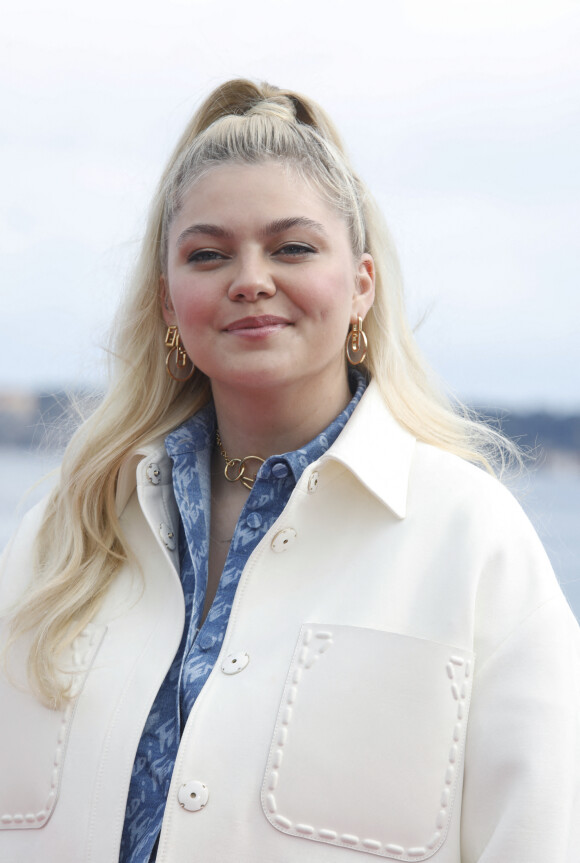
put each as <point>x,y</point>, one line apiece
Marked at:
<point>235,468</point>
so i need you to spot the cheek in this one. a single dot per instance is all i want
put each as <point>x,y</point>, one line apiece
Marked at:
<point>330,299</point>
<point>191,306</point>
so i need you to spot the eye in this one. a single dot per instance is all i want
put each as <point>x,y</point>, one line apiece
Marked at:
<point>205,256</point>
<point>295,250</point>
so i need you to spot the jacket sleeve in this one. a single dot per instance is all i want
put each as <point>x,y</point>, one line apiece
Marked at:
<point>521,799</point>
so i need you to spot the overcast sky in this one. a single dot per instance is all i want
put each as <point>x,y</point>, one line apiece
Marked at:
<point>463,116</point>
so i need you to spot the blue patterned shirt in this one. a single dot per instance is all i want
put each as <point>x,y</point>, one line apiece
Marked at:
<point>190,447</point>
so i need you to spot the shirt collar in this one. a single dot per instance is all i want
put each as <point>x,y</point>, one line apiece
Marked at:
<point>195,434</point>
<point>198,433</point>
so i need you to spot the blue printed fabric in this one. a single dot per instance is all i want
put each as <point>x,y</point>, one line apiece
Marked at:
<point>190,447</point>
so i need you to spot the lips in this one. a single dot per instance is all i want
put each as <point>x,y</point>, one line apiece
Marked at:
<point>256,323</point>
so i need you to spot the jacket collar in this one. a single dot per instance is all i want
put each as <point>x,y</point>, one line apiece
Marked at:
<point>377,450</point>
<point>372,445</point>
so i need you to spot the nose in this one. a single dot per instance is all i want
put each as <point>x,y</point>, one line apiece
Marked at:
<point>252,279</point>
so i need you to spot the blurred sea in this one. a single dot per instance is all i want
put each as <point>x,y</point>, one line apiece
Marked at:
<point>550,496</point>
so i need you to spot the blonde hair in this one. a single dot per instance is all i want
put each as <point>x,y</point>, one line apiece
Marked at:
<point>80,545</point>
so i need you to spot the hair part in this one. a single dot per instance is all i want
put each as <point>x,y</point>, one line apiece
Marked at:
<point>80,546</point>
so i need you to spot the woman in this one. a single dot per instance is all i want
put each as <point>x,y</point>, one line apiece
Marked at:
<point>272,612</point>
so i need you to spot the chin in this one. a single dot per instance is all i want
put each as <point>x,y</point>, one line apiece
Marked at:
<point>264,377</point>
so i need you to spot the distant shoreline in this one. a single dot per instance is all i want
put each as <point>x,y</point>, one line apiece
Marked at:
<point>42,421</point>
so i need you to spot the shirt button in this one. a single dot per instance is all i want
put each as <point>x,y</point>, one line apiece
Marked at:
<point>283,539</point>
<point>207,641</point>
<point>313,482</point>
<point>280,470</point>
<point>193,795</point>
<point>254,520</point>
<point>167,535</point>
<point>235,662</point>
<point>153,473</point>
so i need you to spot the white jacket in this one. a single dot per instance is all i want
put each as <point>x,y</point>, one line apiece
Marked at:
<point>399,679</point>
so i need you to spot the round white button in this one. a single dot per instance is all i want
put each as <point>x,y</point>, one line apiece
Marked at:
<point>283,539</point>
<point>313,482</point>
<point>153,473</point>
<point>168,536</point>
<point>193,795</point>
<point>235,662</point>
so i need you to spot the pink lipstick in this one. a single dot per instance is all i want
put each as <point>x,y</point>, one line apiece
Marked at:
<point>258,326</point>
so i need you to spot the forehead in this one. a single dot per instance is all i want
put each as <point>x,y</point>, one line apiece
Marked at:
<point>271,190</point>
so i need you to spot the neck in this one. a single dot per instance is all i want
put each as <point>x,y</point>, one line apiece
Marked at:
<point>269,422</point>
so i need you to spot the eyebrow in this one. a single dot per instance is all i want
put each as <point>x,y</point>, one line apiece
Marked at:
<point>207,230</point>
<point>276,227</point>
<point>281,225</point>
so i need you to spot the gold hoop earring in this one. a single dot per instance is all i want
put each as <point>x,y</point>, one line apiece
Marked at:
<point>178,365</point>
<point>356,344</point>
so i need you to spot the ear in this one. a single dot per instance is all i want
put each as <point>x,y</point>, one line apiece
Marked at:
<point>364,294</point>
<point>167,309</point>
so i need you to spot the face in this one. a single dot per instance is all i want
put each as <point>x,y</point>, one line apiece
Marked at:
<point>262,282</point>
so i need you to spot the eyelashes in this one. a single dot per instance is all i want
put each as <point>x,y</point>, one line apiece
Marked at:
<point>204,256</point>
<point>295,249</point>
<point>288,250</point>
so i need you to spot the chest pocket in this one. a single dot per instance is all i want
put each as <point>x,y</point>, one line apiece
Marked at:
<point>367,752</point>
<point>33,739</point>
